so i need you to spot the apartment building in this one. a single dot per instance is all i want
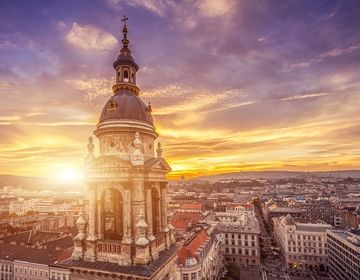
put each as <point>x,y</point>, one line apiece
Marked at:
<point>303,246</point>
<point>344,255</point>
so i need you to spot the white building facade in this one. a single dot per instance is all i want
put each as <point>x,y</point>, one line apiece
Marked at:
<point>240,233</point>
<point>303,246</point>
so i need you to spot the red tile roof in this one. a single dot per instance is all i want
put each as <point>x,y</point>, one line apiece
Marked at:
<point>191,206</point>
<point>190,248</point>
<point>181,220</point>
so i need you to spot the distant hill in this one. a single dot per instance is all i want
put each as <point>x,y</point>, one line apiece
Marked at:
<point>23,181</point>
<point>32,183</point>
<point>280,175</point>
<point>36,183</point>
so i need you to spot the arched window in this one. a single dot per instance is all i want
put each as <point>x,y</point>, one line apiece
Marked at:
<point>126,76</point>
<point>112,214</point>
<point>155,202</point>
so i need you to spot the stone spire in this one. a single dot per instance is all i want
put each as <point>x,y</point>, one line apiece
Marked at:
<point>159,150</point>
<point>141,227</point>
<point>90,147</point>
<point>125,40</point>
<point>125,66</point>
<point>79,239</point>
<point>80,224</point>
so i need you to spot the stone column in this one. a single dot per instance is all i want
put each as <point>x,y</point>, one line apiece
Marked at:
<point>164,222</point>
<point>138,200</point>
<point>92,214</point>
<point>99,221</point>
<point>127,217</point>
<point>149,220</point>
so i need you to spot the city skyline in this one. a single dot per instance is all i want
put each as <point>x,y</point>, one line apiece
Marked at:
<point>233,85</point>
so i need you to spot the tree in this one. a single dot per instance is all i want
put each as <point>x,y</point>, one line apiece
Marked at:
<point>233,272</point>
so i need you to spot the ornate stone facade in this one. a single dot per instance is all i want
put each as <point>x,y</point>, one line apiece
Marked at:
<point>124,231</point>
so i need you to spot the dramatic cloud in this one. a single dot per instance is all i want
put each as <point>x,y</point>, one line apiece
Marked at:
<point>328,54</point>
<point>90,38</point>
<point>303,96</point>
<point>234,85</point>
<point>216,8</point>
<point>93,88</point>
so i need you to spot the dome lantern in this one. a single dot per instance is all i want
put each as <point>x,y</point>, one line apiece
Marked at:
<point>125,66</point>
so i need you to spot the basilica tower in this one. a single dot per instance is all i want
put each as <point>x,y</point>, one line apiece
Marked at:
<point>124,231</point>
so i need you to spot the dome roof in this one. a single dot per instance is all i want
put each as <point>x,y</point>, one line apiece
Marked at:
<point>125,58</point>
<point>125,105</point>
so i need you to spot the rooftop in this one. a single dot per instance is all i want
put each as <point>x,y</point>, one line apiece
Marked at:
<point>191,206</point>
<point>188,251</point>
<point>182,220</point>
<point>23,253</point>
<point>348,236</point>
<point>30,237</point>
<point>313,227</point>
<point>133,270</point>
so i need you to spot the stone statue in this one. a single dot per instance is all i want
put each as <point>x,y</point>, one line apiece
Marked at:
<point>137,142</point>
<point>137,157</point>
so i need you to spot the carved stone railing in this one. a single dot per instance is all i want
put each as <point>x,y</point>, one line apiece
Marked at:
<point>113,247</point>
<point>158,244</point>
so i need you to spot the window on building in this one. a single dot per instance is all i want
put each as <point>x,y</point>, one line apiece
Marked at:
<point>193,276</point>
<point>185,276</point>
<point>126,76</point>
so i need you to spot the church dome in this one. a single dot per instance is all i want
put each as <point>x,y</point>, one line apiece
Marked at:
<point>126,106</point>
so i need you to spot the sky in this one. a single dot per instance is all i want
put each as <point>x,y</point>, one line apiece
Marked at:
<point>234,84</point>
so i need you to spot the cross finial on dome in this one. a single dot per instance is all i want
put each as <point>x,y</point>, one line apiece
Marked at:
<point>124,19</point>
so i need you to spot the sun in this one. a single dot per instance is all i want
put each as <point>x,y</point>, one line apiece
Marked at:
<point>69,175</point>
